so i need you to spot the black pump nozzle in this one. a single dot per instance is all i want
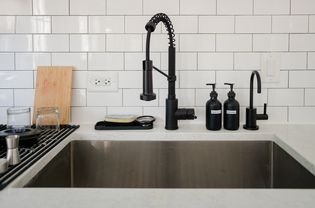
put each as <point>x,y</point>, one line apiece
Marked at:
<point>213,94</point>
<point>231,94</point>
<point>212,84</point>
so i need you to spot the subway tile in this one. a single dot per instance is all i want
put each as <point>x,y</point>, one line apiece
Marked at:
<point>16,43</point>
<point>7,24</point>
<point>124,7</point>
<point>79,79</point>
<point>69,24</point>
<point>16,7</point>
<point>125,110</point>
<point>270,42</point>
<point>133,61</point>
<point>94,43</point>
<point>302,42</point>
<point>230,7</point>
<point>184,61</point>
<point>87,115</point>
<point>24,97</point>
<point>278,115</point>
<point>53,43</point>
<point>293,60</point>
<point>302,7</point>
<point>106,61</point>
<point>197,7</point>
<point>168,7</point>
<point>158,42</point>
<point>123,42</point>
<point>283,82</point>
<point>6,61</point>
<point>16,79</point>
<point>310,97</point>
<point>106,24</point>
<point>271,7</point>
<point>186,97</point>
<point>77,60</point>
<point>215,61</point>
<point>302,79</point>
<point>33,24</point>
<point>104,98</point>
<point>48,7</point>
<point>91,7</point>
<point>6,97</point>
<point>131,79</point>
<point>239,78</point>
<point>312,24</point>
<point>78,97</point>
<point>131,97</point>
<point>234,42</point>
<point>252,24</point>
<point>311,60</point>
<point>196,79</point>
<point>247,61</point>
<point>216,24</point>
<point>289,24</point>
<point>302,114</point>
<point>286,97</point>
<point>136,24</point>
<point>184,24</point>
<point>157,112</point>
<point>3,114</point>
<point>30,61</point>
<point>197,42</point>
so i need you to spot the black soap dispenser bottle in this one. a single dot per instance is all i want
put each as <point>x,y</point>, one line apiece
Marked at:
<point>213,111</point>
<point>231,111</point>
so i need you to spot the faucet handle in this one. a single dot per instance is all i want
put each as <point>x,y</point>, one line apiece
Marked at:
<point>263,116</point>
<point>265,108</point>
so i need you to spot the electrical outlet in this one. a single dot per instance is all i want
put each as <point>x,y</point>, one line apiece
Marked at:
<point>102,81</point>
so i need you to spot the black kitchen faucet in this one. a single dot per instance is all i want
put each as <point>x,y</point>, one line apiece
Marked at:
<point>173,113</point>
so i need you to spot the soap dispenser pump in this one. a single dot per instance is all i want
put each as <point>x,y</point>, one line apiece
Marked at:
<point>231,110</point>
<point>213,111</point>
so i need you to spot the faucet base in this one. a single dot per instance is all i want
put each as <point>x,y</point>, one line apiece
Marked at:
<point>251,119</point>
<point>250,128</point>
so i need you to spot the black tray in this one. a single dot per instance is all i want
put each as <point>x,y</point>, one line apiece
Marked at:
<point>104,125</point>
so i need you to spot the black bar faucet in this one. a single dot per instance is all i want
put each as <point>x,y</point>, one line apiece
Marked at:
<point>251,112</point>
<point>173,113</point>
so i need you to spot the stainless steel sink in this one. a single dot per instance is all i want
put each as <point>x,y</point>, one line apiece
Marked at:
<point>173,164</point>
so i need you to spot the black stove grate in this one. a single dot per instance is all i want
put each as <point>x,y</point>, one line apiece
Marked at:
<point>47,140</point>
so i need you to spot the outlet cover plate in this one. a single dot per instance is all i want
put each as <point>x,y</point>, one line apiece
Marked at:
<point>102,81</point>
<point>270,67</point>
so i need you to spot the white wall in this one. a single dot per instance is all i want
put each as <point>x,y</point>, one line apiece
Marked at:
<point>217,41</point>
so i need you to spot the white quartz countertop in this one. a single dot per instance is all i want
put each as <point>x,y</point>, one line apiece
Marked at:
<point>298,140</point>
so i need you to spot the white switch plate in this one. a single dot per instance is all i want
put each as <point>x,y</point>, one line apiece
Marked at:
<point>102,81</point>
<point>270,67</point>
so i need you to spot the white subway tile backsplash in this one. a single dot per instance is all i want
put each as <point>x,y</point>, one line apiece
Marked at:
<point>125,110</point>
<point>87,114</point>
<point>106,61</point>
<point>158,42</point>
<point>131,79</point>
<point>216,24</point>
<point>289,24</point>
<point>30,61</point>
<point>228,7</point>
<point>79,79</point>
<point>196,79</point>
<point>247,61</point>
<point>15,43</point>
<point>184,24</point>
<point>197,7</point>
<point>186,97</point>
<point>123,42</point>
<point>277,115</point>
<point>302,7</point>
<point>283,83</point>
<point>310,97</point>
<point>6,97</point>
<point>124,7</point>
<point>293,60</point>
<point>104,98</point>
<point>3,115</point>
<point>311,60</point>
<point>302,114</point>
<point>184,61</point>
<point>286,97</point>
<point>312,24</point>
<point>24,97</point>
<point>271,6</point>
<point>48,7</point>
<point>270,42</point>
<point>136,24</point>
<point>233,42</point>
<point>7,24</point>
<point>253,24</point>
<point>215,61</point>
<point>33,24</point>
<point>239,78</point>
<point>131,97</point>
<point>16,7</point>
<point>197,42</point>
<point>133,61</point>
<point>152,7</point>
<point>106,24</point>
<point>90,7</point>
<point>93,43</point>
<point>78,97</point>
<point>54,43</point>
<point>16,79</point>
<point>6,61</point>
<point>302,42</point>
<point>157,112</point>
<point>302,79</point>
<point>69,24</point>
<point>77,60</point>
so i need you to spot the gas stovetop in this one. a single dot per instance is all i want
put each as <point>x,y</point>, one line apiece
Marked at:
<point>31,153</point>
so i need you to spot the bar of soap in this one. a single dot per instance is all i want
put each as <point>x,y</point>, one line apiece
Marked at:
<point>117,118</point>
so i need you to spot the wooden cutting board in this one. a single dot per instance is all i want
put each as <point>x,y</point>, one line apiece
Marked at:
<point>53,89</point>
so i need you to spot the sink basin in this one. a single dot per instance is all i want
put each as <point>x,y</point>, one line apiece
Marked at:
<point>173,164</point>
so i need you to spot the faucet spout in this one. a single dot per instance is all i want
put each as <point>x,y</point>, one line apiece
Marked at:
<point>251,98</point>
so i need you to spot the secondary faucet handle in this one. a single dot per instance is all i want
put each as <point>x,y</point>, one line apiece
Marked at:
<point>265,108</point>
<point>263,116</point>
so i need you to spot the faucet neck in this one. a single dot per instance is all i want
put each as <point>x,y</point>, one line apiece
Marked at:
<point>251,98</point>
